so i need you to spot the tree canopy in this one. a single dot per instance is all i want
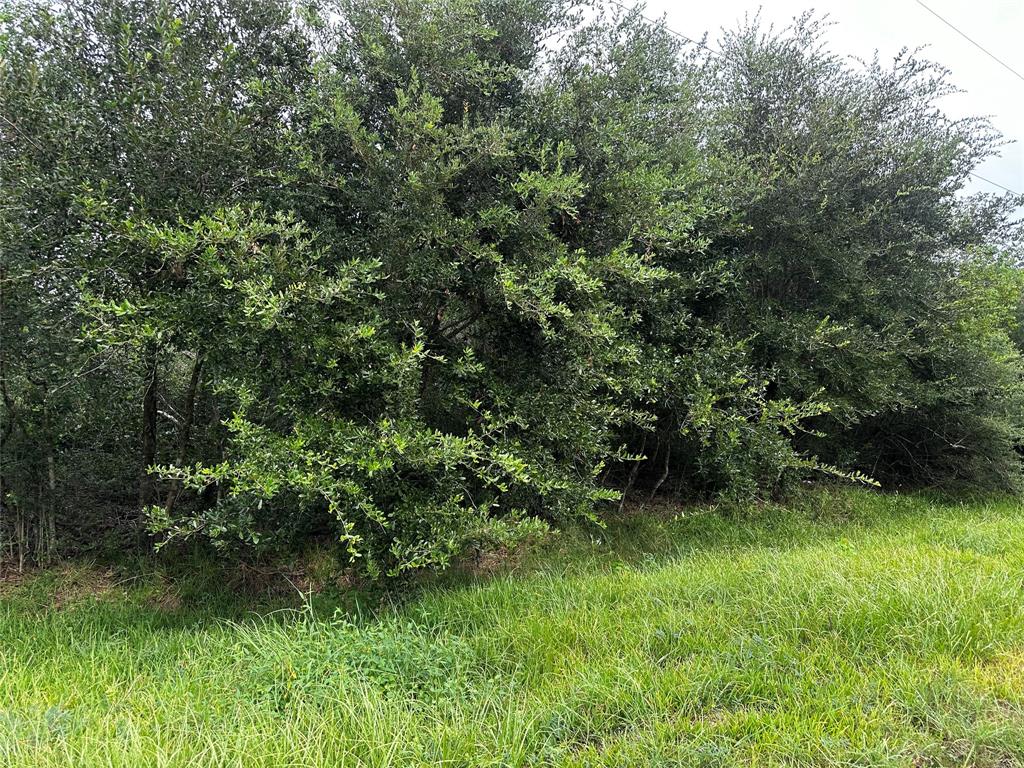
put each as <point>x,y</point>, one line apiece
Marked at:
<point>414,275</point>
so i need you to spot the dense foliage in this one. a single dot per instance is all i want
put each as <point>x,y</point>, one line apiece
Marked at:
<point>417,275</point>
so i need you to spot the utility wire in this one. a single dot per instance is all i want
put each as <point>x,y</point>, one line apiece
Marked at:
<point>993,183</point>
<point>976,44</point>
<point>992,56</point>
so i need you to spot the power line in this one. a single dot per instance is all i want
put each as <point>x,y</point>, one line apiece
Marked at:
<point>993,183</point>
<point>976,44</point>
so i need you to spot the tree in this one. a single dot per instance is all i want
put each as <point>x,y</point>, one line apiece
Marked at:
<point>414,275</point>
<point>856,258</point>
<point>117,115</point>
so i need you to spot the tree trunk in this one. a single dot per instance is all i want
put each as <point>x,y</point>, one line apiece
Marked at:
<point>148,457</point>
<point>21,538</point>
<point>665,468</point>
<point>185,433</point>
<point>5,542</point>
<point>634,470</point>
<point>7,527</point>
<point>664,471</point>
<point>49,530</point>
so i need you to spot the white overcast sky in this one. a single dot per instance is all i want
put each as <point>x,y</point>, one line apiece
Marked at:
<point>864,26</point>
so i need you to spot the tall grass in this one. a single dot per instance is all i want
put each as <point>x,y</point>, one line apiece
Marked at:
<point>857,629</point>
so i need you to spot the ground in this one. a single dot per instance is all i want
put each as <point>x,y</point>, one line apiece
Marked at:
<point>848,629</point>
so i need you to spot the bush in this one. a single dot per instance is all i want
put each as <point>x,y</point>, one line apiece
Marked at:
<point>410,276</point>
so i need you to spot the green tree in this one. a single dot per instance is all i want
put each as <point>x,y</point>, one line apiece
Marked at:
<point>415,274</point>
<point>112,115</point>
<point>855,257</point>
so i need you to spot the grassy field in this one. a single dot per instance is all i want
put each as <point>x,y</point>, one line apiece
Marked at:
<point>854,629</point>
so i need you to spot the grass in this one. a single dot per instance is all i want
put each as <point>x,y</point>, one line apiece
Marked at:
<point>854,629</point>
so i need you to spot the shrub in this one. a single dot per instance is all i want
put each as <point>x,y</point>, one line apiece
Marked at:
<point>412,277</point>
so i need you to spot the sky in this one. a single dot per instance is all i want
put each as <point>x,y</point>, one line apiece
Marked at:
<point>863,26</point>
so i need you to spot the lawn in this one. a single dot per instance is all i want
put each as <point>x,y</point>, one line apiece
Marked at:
<point>848,629</point>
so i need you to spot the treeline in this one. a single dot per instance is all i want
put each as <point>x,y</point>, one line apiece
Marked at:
<point>414,274</point>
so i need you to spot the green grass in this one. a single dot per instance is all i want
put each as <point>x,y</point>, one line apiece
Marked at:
<point>857,629</point>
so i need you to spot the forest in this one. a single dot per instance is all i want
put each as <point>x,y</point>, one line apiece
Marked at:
<point>418,278</point>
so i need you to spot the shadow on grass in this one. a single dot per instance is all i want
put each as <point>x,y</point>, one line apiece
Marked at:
<point>649,535</point>
<point>188,590</point>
